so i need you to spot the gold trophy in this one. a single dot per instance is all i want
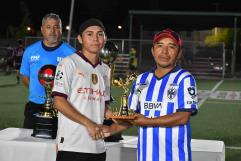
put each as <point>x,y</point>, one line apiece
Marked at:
<point>109,55</point>
<point>124,112</point>
<point>46,121</point>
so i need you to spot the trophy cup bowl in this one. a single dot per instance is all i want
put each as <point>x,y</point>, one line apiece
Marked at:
<point>46,121</point>
<point>109,54</point>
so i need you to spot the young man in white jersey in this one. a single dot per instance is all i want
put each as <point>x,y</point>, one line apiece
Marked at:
<point>81,95</point>
<point>164,98</point>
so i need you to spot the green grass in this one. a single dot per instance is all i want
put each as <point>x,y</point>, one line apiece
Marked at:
<point>232,155</point>
<point>12,102</point>
<point>206,84</point>
<point>216,119</point>
<point>230,85</point>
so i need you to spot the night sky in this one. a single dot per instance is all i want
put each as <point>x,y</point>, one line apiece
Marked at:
<point>111,12</point>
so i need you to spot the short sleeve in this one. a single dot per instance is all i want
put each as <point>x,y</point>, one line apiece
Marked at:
<point>187,95</point>
<point>62,80</point>
<point>25,65</point>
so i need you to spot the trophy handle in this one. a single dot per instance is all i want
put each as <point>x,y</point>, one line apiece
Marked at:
<point>115,82</point>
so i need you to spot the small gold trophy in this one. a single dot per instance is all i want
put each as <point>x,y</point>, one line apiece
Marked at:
<point>46,121</point>
<point>109,55</point>
<point>124,112</point>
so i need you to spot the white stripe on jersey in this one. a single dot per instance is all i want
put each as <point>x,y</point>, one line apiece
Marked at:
<point>176,91</point>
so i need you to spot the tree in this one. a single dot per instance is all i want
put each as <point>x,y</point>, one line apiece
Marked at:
<point>20,31</point>
<point>220,35</point>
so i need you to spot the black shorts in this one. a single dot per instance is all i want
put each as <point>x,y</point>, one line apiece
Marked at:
<point>75,156</point>
<point>18,61</point>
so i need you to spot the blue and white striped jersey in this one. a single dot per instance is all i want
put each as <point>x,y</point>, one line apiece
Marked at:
<point>155,97</point>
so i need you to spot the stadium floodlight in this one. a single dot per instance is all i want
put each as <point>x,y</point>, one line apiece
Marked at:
<point>119,27</point>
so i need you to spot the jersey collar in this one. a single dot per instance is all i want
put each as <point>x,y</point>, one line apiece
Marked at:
<point>176,68</point>
<point>51,48</point>
<point>79,52</point>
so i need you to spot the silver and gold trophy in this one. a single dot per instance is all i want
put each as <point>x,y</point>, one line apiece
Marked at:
<point>46,121</point>
<point>109,54</point>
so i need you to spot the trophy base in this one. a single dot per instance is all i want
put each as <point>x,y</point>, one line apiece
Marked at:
<point>45,126</point>
<point>44,133</point>
<point>130,117</point>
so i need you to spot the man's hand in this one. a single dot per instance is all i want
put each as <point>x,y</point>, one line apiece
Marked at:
<point>140,120</point>
<point>106,130</point>
<point>95,131</point>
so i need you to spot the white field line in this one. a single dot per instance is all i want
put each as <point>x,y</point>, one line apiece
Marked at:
<point>200,103</point>
<point>233,147</point>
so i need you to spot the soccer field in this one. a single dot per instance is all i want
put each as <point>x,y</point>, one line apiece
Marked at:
<point>219,117</point>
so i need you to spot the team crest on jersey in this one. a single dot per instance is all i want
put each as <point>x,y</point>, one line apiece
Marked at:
<point>59,75</point>
<point>94,78</point>
<point>172,91</point>
<point>192,91</point>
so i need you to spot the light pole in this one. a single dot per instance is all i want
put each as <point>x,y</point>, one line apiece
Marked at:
<point>70,20</point>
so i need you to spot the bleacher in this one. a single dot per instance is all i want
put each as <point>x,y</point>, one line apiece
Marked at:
<point>203,67</point>
<point>121,65</point>
<point>207,61</point>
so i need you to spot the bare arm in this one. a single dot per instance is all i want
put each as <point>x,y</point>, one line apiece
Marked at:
<point>63,106</point>
<point>115,128</point>
<point>25,81</point>
<point>175,119</point>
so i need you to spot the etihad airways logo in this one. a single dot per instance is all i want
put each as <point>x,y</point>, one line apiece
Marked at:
<point>91,91</point>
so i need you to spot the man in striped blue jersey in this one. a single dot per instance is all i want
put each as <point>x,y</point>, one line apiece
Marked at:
<point>164,98</point>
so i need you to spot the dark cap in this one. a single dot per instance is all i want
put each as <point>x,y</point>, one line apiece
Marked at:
<point>168,33</point>
<point>91,22</point>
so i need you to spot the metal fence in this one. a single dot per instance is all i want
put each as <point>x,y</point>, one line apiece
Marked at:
<point>202,60</point>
